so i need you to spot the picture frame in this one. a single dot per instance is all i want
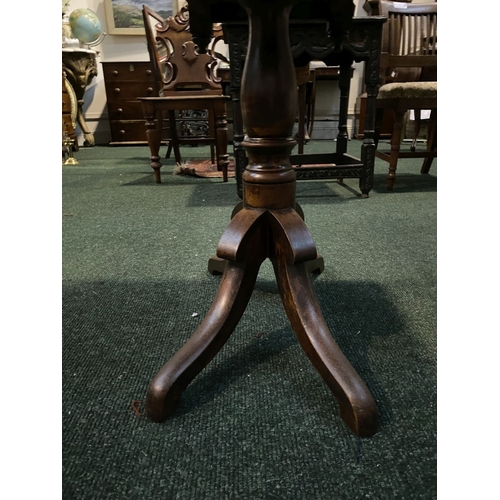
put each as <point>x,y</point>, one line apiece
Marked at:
<point>124,17</point>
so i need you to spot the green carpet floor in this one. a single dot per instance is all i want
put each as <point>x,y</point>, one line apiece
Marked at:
<point>258,423</point>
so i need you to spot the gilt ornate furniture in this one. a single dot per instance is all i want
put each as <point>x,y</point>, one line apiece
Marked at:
<point>69,112</point>
<point>80,67</point>
<point>269,224</point>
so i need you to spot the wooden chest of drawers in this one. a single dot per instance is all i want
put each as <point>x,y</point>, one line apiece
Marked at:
<point>125,82</point>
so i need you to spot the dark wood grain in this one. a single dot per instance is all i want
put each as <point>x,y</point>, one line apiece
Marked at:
<point>269,224</point>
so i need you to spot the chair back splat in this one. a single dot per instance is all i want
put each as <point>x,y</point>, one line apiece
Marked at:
<point>175,56</point>
<point>409,37</point>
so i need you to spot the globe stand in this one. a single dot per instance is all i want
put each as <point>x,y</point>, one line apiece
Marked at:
<point>98,41</point>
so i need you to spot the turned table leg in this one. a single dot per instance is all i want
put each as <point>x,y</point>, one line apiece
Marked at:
<point>372,122</point>
<point>431,142</point>
<point>153,134</point>
<point>397,133</point>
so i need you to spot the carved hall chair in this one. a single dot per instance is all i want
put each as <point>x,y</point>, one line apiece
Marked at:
<point>186,82</point>
<point>409,46</point>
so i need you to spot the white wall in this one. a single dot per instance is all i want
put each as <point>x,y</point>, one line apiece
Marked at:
<point>133,48</point>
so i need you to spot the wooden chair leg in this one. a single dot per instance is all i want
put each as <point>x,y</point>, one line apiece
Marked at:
<point>173,135</point>
<point>212,130</point>
<point>397,132</point>
<point>221,139</point>
<point>379,116</point>
<point>431,142</point>
<point>153,135</point>
<point>344,86</point>
<point>160,123</point>
<point>302,118</point>
<point>312,105</point>
<point>170,142</point>
<point>169,150</point>
<point>418,124</point>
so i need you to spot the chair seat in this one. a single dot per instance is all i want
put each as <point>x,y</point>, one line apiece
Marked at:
<point>408,90</point>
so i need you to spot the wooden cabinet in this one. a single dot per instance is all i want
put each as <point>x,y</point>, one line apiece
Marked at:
<point>125,82</point>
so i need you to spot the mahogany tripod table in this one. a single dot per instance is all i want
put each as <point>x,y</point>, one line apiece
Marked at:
<point>268,226</point>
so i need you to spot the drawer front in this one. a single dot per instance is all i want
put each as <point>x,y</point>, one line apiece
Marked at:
<point>126,91</point>
<point>125,110</point>
<point>128,131</point>
<point>128,72</point>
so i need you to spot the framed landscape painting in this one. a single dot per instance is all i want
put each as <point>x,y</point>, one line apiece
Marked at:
<point>124,17</point>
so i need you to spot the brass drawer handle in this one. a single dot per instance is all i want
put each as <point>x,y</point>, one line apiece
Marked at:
<point>120,110</point>
<point>117,90</point>
<point>122,132</point>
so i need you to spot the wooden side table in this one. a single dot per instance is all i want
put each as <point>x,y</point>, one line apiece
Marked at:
<point>268,225</point>
<point>80,67</point>
<point>310,40</point>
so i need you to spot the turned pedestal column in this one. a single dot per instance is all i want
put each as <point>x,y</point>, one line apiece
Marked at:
<point>268,226</point>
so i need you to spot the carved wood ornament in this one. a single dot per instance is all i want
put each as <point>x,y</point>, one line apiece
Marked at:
<point>181,63</point>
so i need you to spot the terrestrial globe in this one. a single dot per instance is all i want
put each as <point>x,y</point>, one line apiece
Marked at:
<point>85,25</point>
